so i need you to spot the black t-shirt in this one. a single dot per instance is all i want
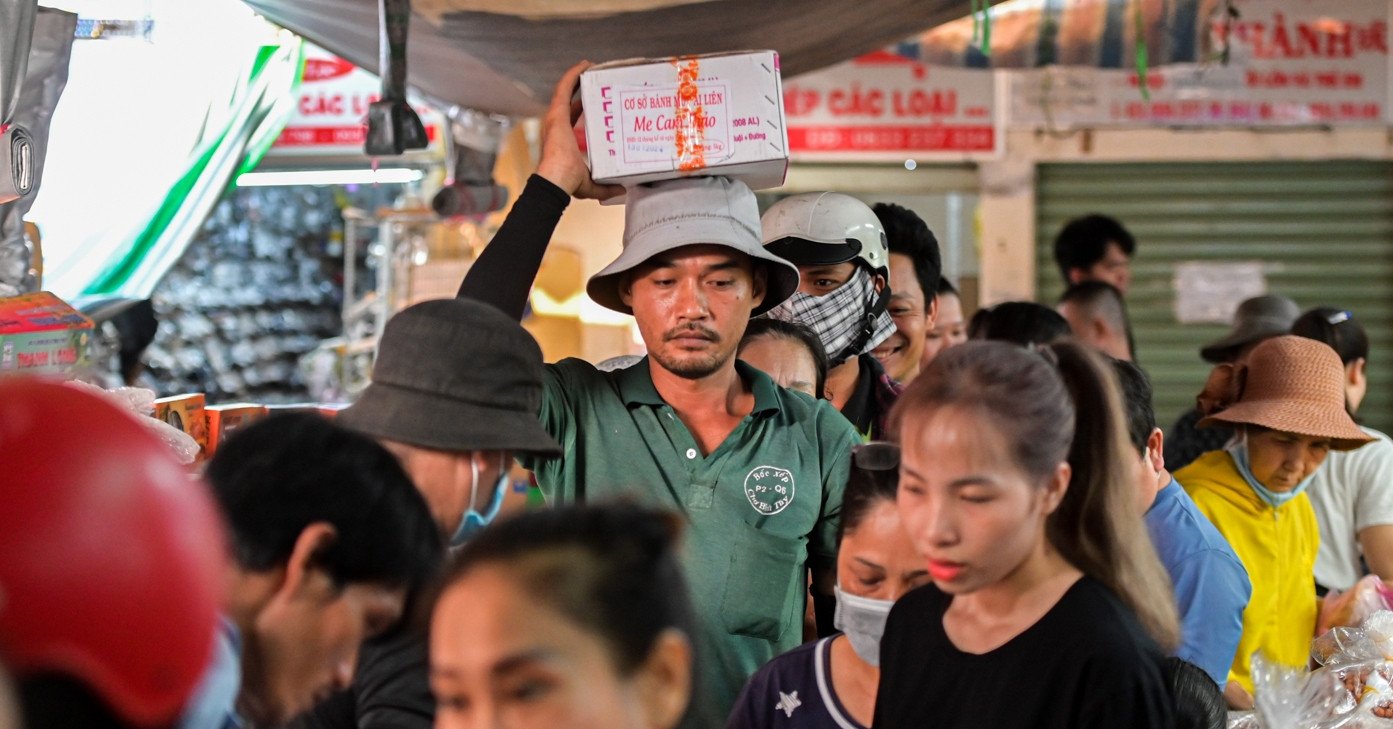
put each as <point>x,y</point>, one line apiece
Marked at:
<point>1086,663</point>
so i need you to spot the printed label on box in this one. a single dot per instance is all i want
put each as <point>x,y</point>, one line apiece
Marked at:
<point>650,118</point>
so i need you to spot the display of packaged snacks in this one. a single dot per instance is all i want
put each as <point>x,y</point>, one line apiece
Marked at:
<point>187,413</point>
<point>224,419</point>
<point>657,119</point>
<point>42,334</point>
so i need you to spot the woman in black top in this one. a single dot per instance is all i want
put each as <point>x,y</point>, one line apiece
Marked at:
<point>1048,602</point>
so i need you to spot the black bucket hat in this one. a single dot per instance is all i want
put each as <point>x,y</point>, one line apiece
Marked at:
<point>1258,318</point>
<point>455,375</point>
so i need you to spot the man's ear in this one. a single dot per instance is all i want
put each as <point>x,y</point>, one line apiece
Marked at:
<point>931,313</point>
<point>1077,275</point>
<point>665,679</point>
<point>1155,449</point>
<point>306,561</point>
<point>626,289</point>
<point>759,285</point>
<point>879,282</point>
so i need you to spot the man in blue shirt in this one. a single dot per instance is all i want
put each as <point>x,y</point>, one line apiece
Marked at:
<point>1211,585</point>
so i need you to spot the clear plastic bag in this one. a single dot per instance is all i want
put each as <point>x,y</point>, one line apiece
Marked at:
<point>1352,607</point>
<point>141,402</point>
<point>1291,698</point>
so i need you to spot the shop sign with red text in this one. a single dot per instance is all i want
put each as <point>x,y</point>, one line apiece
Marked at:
<point>884,106</point>
<point>331,112</point>
<point>1292,62</point>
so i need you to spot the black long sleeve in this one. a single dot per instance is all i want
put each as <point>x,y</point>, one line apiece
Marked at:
<point>504,272</point>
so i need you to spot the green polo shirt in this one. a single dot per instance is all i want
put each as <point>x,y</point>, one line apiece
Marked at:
<point>757,508</point>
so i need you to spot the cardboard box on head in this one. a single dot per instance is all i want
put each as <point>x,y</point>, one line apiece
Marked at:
<point>657,119</point>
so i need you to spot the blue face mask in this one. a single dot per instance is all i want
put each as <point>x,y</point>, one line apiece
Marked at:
<point>473,521</point>
<point>1238,450</point>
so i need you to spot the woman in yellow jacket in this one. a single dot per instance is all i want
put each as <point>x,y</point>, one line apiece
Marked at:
<point>1288,406</point>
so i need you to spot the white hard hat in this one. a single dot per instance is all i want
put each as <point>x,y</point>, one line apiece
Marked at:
<point>821,228</point>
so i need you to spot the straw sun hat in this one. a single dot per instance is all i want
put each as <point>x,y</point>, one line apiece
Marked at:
<point>1289,383</point>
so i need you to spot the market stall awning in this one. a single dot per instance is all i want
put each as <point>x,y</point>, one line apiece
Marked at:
<point>507,63</point>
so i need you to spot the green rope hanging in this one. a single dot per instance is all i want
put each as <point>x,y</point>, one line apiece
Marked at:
<point>1142,61</point>
<point>982,26</point>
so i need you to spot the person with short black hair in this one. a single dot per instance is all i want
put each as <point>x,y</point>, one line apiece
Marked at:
<point>1023,323</point>
<point>1199,703</point>
<point>1352,492</point>
<point>576,617</point>
<point>328,537</point>
<point>1095,248</point>
<point>950,328</point>
<point>1211,585</point>
<point>1097,316</point>
<point>916,268</point>
<point>788,352</point>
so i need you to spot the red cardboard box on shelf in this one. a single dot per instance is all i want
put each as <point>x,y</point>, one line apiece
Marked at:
<point>224,419</point>
<point>657,119</point>
<point>187,413</point>
<point>42,334</point>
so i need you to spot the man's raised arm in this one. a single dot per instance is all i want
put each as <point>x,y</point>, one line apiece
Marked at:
<point>504,272</point>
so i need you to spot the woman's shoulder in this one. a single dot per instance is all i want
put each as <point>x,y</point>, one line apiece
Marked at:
<point>1095,621</point>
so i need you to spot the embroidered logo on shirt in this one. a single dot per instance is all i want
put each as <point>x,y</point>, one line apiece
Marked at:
<point>769,489</point>
<point>788,703</point>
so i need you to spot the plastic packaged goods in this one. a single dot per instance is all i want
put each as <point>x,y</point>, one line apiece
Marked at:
<point>1352,607</point>
<point>141,402</point>
<point>1352,688</point>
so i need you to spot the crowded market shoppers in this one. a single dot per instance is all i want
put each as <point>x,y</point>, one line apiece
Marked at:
<point>789,353</point>
<point>839,247</point>
<point>1256,319</point>
<point>1211,585</point>
<point>950,328</point>
<point>831,683</point>
<point>328,537</point>
<point>1288,406</point>
<point>454,394</point>
<point>1048,601</point>
<point>1095,248</point>
<point>1352,492</point>
<point>576,617</point>
<point>111,572</point>
<point>757,471</point>
<point>915,268</point>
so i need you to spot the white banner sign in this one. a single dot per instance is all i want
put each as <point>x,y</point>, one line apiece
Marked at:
<point>1292,62</point>
<point>884,106</point>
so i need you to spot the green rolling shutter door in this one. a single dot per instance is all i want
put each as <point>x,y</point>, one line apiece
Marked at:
<point>1324,231</point>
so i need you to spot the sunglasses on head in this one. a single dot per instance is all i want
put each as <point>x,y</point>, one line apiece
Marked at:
<point>876,456</point>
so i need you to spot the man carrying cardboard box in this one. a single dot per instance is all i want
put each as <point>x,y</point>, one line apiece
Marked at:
<point>756,470</point>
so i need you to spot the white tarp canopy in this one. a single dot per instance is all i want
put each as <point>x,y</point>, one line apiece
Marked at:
<point>507,62</point>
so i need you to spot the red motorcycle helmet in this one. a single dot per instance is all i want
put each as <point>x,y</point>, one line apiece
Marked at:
<point>111,554</point>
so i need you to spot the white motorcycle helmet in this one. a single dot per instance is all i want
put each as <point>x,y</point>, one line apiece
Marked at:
<point>824,228</point>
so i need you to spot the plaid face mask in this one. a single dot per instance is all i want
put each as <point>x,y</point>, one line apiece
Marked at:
<point>849,321</point>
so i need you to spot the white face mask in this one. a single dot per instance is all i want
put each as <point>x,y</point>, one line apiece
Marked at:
<point>862,619</point>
